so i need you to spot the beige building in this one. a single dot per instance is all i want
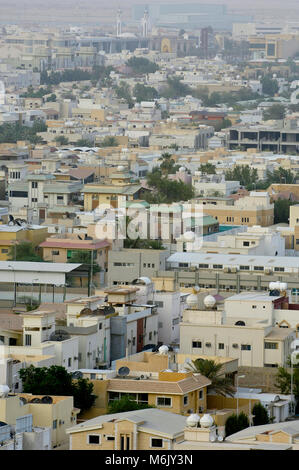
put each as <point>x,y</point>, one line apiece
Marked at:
<point>254,341</point>
<point>255,209</point>
<point>133,430</point>
<point>56,412</point>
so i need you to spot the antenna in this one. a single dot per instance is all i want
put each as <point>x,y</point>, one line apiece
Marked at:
<point>123,371</point>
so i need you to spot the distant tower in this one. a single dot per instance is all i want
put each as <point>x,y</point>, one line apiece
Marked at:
<point>145,23</point>
<point>118,23</point>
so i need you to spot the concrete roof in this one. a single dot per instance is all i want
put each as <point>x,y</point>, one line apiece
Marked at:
<point>34,266</point>
<point>290,427</point>
<point>181,387</point>
<point>233,260</point>
<point>164,422</point>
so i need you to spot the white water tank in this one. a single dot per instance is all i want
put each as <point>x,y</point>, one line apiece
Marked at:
<point>4,390</point>
<point>206,421</point>
<point>163,349</point>
<point>209,301</point>
<point>193,420</point>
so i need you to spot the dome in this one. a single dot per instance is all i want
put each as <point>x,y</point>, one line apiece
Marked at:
<point>209,301</point>
<point>192,301</point>
<point>163,349</point>
<point>193,420</point>
<point>206,421</point>
<point>4,390</point>
<point>189,236</point>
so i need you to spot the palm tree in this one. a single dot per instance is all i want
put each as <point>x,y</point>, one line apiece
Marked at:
<point>221,385</point>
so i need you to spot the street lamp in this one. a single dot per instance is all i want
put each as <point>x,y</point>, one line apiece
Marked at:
<point>238,377</point>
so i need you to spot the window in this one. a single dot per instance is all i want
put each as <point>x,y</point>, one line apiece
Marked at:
<point>100,326</point>
<point>134,341</point>
<point>245,347</point>
<point>55,252</point>
<point>34,199</point>
<point>93,439</point>
<point>55,424</point>
<point>34,184</point>
<point>185,400</point>
<point>244,268</point>
<point>1,339</point>
<point>258,268</point>
<point>204,266</point>
<point>217,266</point>
<point>4,250</point>
<point>279,269</point>
<point>156,442</point>
<point>196,344</point>
<point>221,346</point>
<point>271,345</point>
<point>150,336</point>
<point>110,438</point>
<point>164,401</point>
<point>200,395</point>
<point>245,243</point>
<point>27,340</point>
<point>69,362</point>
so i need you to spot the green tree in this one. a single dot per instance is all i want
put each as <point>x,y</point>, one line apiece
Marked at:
<point>24,251</point>
<point>208,168</point>
<point>166,190</point>
<point>84,257</point>
<point>52,97</point>
<point>282,210</point>
<point>276,111</point>
<point>144,93</point>
<point>236,423</point>
<point>260,415</point>
<point>168,165</point>
<point>126,403</point>
<point>123,91</point>
<point>140,65</point>
<point>109,141</point>
<point>57,381</point>
<point>280,175</point>
<point>242,173</point>
<point>213,371</point>
<point>269,86</point>
<point>61,140</point>
<point>175,89</point>
<point>83,143</point>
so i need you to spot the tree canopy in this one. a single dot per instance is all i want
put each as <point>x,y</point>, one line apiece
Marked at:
<point>175,89</point>
<point>56,380</point>
<point>12,132</point>
<point>276,111</point>
<point>144,93</point>
<point>24,251</point>
<point>282,210</point>
<point>236,423</point>
<point>126,403</point>
<point>269,86</point>
<point>221,385</point>
<point>260,415</point>
<point>166,190</point>
<point>207,168</point>
<point>242,173</point>
<point>141,65</point>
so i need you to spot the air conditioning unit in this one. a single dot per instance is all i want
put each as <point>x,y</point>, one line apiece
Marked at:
<point>268,271</point>
<point>226,270</point>
<point>235,346</point>
<point>208,345</point>
<point>234,270</point>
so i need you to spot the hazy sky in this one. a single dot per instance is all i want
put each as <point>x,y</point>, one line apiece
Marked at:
<point>103,11</point>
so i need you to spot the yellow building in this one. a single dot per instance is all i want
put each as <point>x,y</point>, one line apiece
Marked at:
<point>116,191</point>
<point>55,412</point>
<point>133,430</point>
<point>176,392</point>
<point>12,235</point>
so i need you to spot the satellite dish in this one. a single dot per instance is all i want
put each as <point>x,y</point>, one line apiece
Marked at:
<point>35,400</point>
<point>123,371</point>
<point>59,335</point>
<point>77,374</point>
<point>108,309</point>
<point>47,400</point>
<point>86,311</point>
<point>220,438</point>
<point>240,323</point>
<point>23,401</point>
